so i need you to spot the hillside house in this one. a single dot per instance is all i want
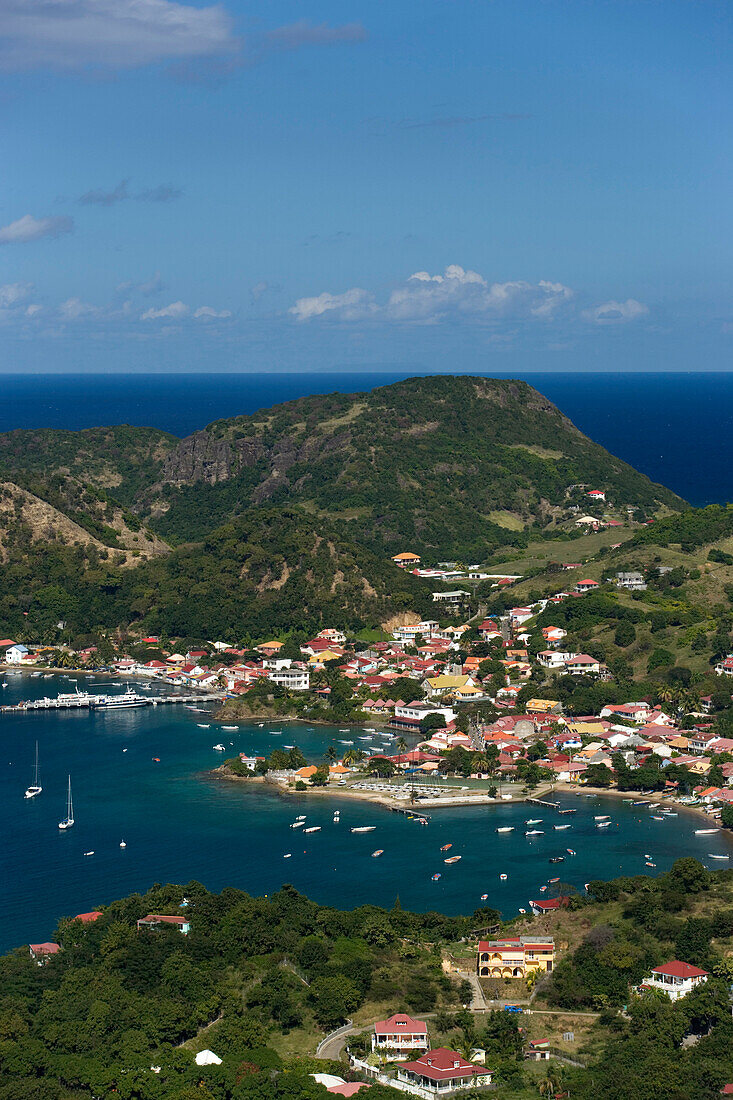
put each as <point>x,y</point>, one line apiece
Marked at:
<point>406,560</point>
<point>442,1071</point>
<point>400,1032</point>
<point>547,905</point>
<point>634,582</point>
<point>15,654</point>
<point>554,659</point>
<point>675,978</point>
<point>725,668</point>
<point>581,664</point>
<point>455,598</point>
<point>587,585</point>
<point>154,920</point>
<point>42,952</point>
<point>596,494</point>
<point>442,685</point>
<point>515,957</point>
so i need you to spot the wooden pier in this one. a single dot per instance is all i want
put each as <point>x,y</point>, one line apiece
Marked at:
<point>540,802</point>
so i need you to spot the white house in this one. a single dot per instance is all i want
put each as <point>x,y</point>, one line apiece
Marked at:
<point>400,1032</point>
<point>16,654</point>
<point>580,664</point>
<point>406,635</point>
<point>451,599</point>
<point>294,679</point>
<point>675,978</point>
<point>417,711</point>
<point>554,658</point>
<point>441,1071</point>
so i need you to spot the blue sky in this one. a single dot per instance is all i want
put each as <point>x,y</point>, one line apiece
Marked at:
<point>445,185</point>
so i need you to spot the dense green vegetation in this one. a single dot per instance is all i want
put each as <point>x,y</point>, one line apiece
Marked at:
<point>260,975</point>
<point>268,570</point>
<point>120,1013</point>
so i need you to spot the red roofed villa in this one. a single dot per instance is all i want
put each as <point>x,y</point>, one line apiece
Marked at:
<point>152,920</point>
<point>675,978</point>
<point>440,1071</point>
<point>400,1032</point>
<point>42,952</point>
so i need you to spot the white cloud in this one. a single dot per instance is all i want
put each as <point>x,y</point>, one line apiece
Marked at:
<point>71,34</point>
<point>74,308</point>
<point>12,294</point>
<point>615,313</point>
<point>427,298</point>
<point>29,228</point>
<point>352,305</point>
<point>206,313</point>
<point>33,309</point>
<point>175,312</point>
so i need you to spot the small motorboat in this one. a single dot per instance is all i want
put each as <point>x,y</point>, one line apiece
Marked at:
<point>446,847</point>
<point>648,864</point>
<point>522,911</point>
<point>552,881</point>
<point>89,853</point>
<point>204,725</point>
<point>542,889</point>
<point>602,824</point>
<point>346,742</point>
<point>533,821</point>
<point>122,844</point>
<point>363,828</point>
<point>534,832</point>
<point>556,859</point>
<point>313,829</point>
<point>434,878</point>
<point>712,855</point>
<point>379,852</point>
<point>484,897</point>
<point>297,825</point>
<point>452,859</point>
<point>288,855</point>
<point>561,827</point>
<point>230,729</point>
<point>156,759</point>
<point>705,832</point>
<point>657,817</point>
<point>503,877</point>
<point>506,829</point>
<point>602,817</point>
<point>219,748</point>
<point>570,851</point>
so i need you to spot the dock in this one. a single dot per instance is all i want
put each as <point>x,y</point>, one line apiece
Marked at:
<point>410,812</point>
<point>89,702</point>
<point>541,802</point>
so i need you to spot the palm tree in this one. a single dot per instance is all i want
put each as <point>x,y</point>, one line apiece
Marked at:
<point>353,756</point>
<point>331,754</point>
<point>401,744</point>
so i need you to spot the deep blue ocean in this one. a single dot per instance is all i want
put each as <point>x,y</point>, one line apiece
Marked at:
<point>180,824</point>
<point>676,428</point>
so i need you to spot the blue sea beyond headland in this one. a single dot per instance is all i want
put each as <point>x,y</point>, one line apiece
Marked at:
<point>676,428</point>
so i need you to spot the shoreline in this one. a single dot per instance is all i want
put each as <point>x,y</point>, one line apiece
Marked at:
<point>449,802</point>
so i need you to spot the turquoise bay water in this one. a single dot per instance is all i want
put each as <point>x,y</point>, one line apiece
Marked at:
<point>179,824</point>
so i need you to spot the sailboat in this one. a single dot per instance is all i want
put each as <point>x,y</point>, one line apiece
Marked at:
<point>69,819</point>
<point>35,787</point>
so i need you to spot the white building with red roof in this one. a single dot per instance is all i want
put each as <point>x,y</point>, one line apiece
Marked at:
<point>42,952</point>
<point>675,978</point>
<point>587,585</point>
<point>400,1032</point>
<point>440,1071</point>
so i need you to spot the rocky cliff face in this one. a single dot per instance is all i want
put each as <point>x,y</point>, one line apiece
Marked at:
<point>203,457</point>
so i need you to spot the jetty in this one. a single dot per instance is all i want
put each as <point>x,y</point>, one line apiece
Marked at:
<point>410,812</point>
<point>542,802</point>
<point>87,702</point>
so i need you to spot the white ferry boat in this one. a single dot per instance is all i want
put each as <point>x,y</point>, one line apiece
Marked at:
<point>120,702</point>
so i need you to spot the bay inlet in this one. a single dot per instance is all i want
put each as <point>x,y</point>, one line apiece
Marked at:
<point>179,823</point>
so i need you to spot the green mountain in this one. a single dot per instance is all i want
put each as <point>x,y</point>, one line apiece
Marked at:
<point>444,466</point>
<point>288,517</point>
